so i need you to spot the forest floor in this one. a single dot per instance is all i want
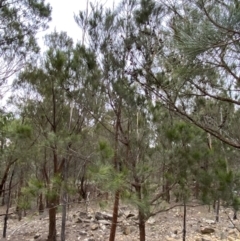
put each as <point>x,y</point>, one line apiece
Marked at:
<point>94,225</point>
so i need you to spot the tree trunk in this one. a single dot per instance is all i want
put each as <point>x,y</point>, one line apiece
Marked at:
<point>142,231</point>
<point>64,201</point>
<point>217,210</point>
<point>3,195</point>
<point>8,205</point>
<point>184,220</point>
<point>5,176</point>
<point>41,205</point>
<point>141,216</point>
<point>115,216</point>
<point>52,231</point>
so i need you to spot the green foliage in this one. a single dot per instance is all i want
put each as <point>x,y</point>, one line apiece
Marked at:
<point>24,131</point>
<point>20,21</point>
<point>105,149</point>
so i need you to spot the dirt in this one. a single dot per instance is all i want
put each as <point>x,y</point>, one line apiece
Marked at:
<point>164,226</point>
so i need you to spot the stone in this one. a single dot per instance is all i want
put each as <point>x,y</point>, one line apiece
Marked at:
<point>82,214</point>
<point>209,221</point>
<point>126,230</point>
<point>94,227</point>
<point>80,220</point>
<point>36,236</point>
<point>203,239</point>
<point>130,215</point>
<point>207,230</point>
<point>151,220</point>
<point>105,222</point>
<point>82,233</point>
<point>103,216</point>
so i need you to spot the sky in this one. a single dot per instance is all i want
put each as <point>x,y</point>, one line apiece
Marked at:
<point>62,16</point>
<point>62,20</point>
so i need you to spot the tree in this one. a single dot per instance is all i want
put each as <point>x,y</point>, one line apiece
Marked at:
<point>20,21</point>
<point>55,105</point>
<point>200,63</point>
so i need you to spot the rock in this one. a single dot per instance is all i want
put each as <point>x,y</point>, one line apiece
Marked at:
<point>151,220</point>
<point>130,215</point>
<point>126,230</point>
<point>105,222</point>
<point>80,220</point>
<point>102,226</point>
<point>169,238</point>
<point>103,216</point>
<point>207,231</point>
<point>209,221</point>
<point>94,227</point>
<point>82,214</point>
<point>203,239</point>
<point>36,236</point>
<point>83,233</point>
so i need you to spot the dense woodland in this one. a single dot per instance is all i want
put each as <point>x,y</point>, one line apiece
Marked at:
<point>145,107</point>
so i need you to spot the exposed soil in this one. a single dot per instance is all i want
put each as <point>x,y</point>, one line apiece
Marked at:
<point>164,226</point>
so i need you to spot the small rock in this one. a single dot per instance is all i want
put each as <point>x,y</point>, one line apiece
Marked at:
<point>151,220</point>
<point>103,216</point>
<point>203,239</point>
<point>209,221</point>
<point>102,226</point>
<point>82,214</point>
<point>207,230</point>
<point>130,215</point>
<point>94,227</point>
<point>36,236</point>
<point>83,233</point>
<point>126,230</point>
<point>105,222</point>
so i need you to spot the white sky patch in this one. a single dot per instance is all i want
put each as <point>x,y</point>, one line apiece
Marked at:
<point>62,20</point>
<point>63,17</point>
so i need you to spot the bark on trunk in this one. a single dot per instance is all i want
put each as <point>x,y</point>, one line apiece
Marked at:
<point>217,210</point>
<point>41,205</point>
<point>184,221</point>
<point>8,206</point>
<point>115,217</point>
<point>142,231</point>
<point>141,216</point>
<point>52,231</point>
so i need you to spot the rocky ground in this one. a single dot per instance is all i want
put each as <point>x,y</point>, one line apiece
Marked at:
<point>94,225</point>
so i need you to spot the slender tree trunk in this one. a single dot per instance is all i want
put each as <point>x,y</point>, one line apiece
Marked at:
<point>40,205</point>
<point>64,202</point>
<point>3,195</point>
<point>8,205</point>
<point>117,168</point>
<point>196,190</point>
<point>5,176</point>
<point>184,220</point>
<point>115,216</point>
<point>217,210</point>
<point>141,217</point>
<point>235,215</point>
<point>52,231</point>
